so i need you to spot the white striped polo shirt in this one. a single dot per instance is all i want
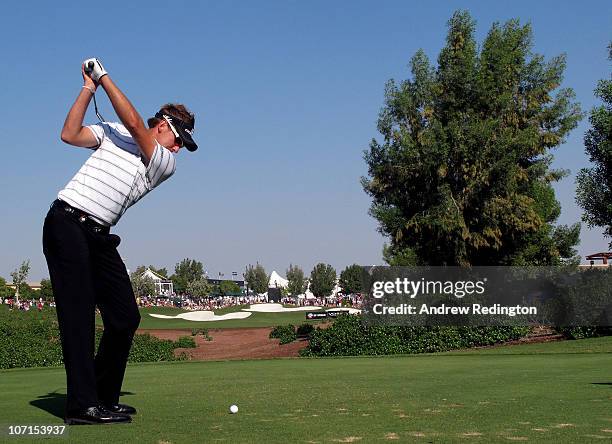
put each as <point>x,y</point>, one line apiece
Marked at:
<point>114,177</point>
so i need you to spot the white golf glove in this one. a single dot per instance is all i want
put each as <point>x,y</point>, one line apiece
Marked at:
<point>94,69</point>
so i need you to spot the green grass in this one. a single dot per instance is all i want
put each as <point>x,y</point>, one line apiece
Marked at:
<point>590,345</point>
<point>559,392</point>
<point>255,320</point>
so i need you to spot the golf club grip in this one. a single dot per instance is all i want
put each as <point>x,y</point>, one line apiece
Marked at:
<point>89,67</point>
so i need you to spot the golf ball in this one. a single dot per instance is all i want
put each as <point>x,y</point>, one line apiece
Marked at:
<point>233,408</point>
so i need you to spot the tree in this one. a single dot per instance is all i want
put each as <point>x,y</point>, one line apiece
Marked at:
<point>20,276</point>
<point>462,175</point>
<point>200,288</point>
<point>351,279</point>
<point>26,292</point>
<point>5,290</point>
<point>227,288</point>
<point>186,271</point>
<point>142,286</point>
<point>256,278</point>
<point>46,291</point>
<point>322,280</point>
<point>297,282</point>
<point>594,190</point>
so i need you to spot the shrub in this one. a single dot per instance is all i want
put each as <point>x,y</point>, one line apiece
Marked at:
<point>185,342</point>
<point>31,339</point>
<point>286,333</point>
<point>305,330</point>
<point>347,336</point>
<point>147,348</point>
<point>584,332</point>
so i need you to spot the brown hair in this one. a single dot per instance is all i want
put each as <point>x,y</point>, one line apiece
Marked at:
<point>176,110</point>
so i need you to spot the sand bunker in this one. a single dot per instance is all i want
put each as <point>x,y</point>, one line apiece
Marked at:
<point>276,308</point>
<point>207,316</point>
<point>203,316</point>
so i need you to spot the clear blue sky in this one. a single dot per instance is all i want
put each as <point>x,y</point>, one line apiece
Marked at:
<point>286,95</point>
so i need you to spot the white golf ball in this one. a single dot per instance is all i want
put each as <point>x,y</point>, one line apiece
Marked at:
<point>233,408</point>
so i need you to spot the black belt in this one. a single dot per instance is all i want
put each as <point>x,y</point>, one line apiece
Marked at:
<point>80,216</point>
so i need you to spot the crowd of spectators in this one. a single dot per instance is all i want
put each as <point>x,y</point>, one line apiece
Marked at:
<point>339,300</point>
<point>188,302</point>
<point>26,304</point>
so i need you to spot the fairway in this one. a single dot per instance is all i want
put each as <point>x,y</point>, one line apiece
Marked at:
<point>498,395</point>
<point>255,320</point>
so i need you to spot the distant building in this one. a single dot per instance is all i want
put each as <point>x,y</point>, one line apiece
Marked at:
<point>592,258</point>
<point>32,285</point>
<point>218,282</point>
<point>163,285</point>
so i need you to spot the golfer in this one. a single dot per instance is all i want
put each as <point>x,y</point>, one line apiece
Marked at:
<point>127,162</point>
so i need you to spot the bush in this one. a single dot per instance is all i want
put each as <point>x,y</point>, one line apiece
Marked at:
<point>584,332</point>
<point>286,333</point>
<point>185,342</point>
<point>347,336</point>
<point>147,348</point>
<point>31,339</point>
<point>305,330</point>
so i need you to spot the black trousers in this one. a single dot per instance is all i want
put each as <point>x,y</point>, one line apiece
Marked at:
<point>86,271</point>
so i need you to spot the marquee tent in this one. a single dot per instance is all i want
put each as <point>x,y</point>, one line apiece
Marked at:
<point>276,281</point>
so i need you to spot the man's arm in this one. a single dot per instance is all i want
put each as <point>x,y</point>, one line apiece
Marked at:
<point>129,117</point>
<point>73,131</point>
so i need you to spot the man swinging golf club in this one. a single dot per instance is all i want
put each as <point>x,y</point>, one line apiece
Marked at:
<point>127,162</point>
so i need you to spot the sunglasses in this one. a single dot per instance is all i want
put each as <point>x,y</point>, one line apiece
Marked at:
<point>177,139</point>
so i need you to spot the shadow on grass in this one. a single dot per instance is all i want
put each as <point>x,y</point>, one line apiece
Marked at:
<point>55,403</point>
<point>601,383</point>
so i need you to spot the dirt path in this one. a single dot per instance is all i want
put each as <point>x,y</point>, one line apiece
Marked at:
<point>254,343</point>
<point>232,343</point>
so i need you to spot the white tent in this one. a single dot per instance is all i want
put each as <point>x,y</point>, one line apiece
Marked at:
<point>276,281</point>
<point>162,285</point>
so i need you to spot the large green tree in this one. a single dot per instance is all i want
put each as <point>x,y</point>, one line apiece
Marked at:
<point>594,191</point>
<point>462,175</point>
<point>229,288</point>
<point>351,279</point>
<point>186,271</point>
<point>142,286</point>
<point>322,280</point>
<point>256,278</point>
<point>297,282</point>
<point>200,288</point>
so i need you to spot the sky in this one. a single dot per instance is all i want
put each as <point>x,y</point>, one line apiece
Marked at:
<point>286,96</point>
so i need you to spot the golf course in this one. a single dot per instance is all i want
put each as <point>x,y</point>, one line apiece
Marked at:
<point>554,392</point>
<point>256,319</point>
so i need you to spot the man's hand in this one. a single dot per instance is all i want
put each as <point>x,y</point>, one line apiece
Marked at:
<point>94,69</point>
<point>87,81</point>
